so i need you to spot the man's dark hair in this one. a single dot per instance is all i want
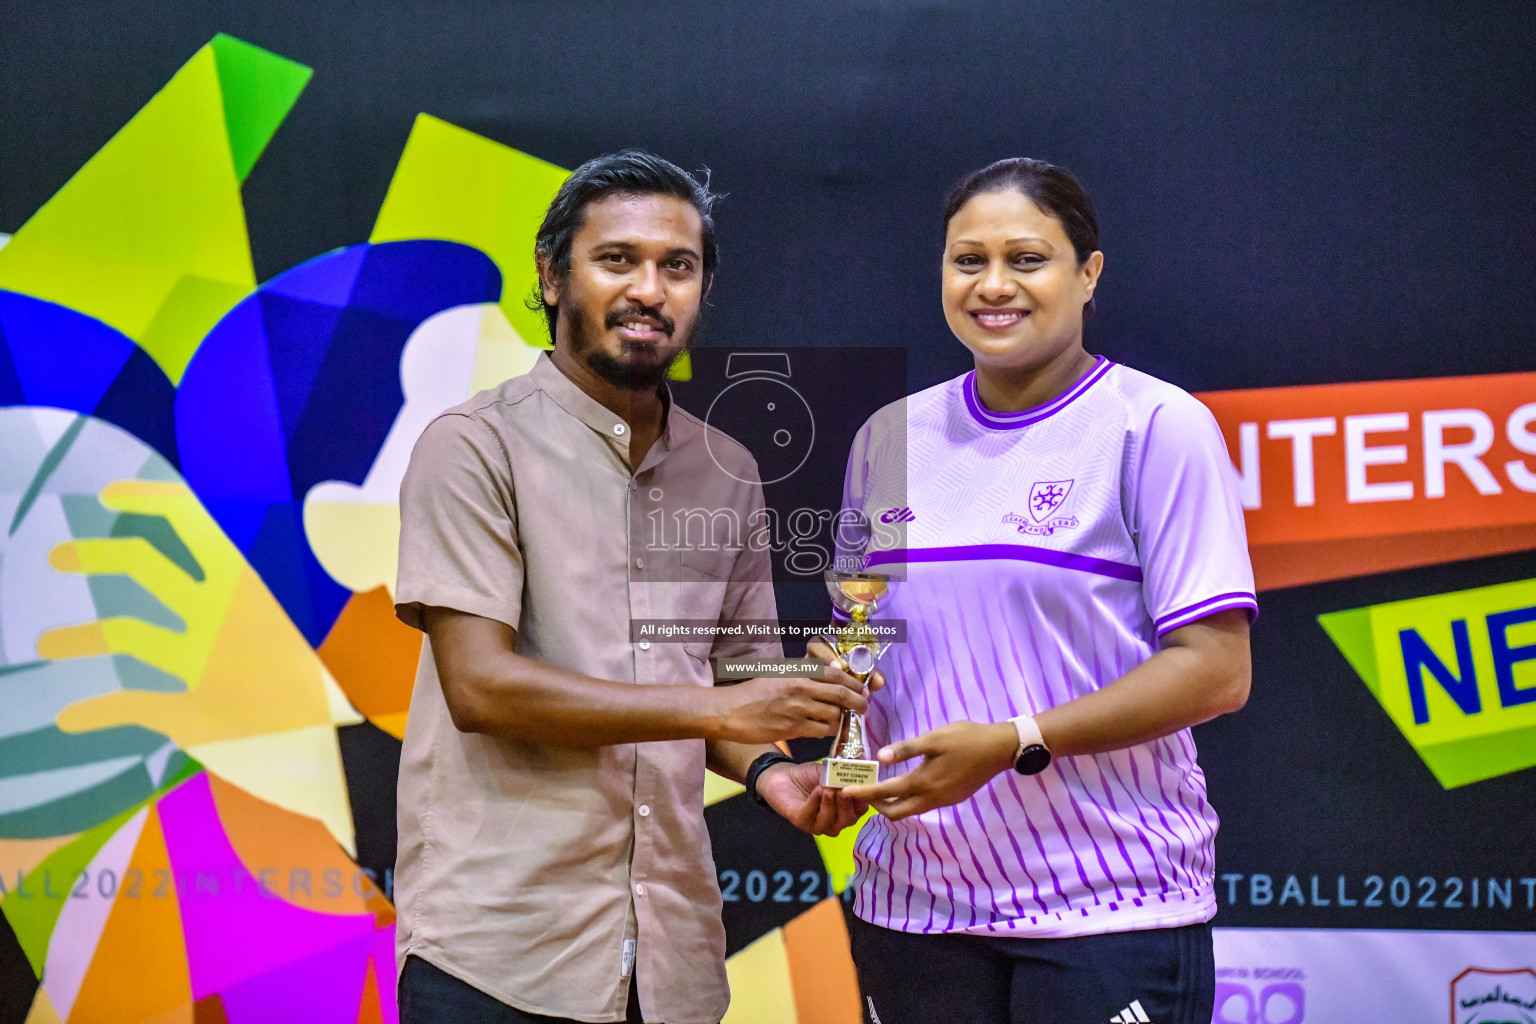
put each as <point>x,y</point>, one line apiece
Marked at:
<point>629,172</point>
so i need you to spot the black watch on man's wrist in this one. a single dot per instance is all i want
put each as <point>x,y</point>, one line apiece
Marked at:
<point>760,765</point>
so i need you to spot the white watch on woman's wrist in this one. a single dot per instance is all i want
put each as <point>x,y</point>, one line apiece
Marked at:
<point>1033,756</point>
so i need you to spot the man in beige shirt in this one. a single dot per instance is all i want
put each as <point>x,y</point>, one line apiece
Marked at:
<point>553,859</point>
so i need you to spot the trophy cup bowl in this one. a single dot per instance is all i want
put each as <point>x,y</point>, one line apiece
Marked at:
<point>855,590</point>
<point>857,594</point>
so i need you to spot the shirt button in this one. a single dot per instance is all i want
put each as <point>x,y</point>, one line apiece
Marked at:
<point>639,563</point>
<point>618,428</point>
<point>639,888</point>
<point>644,810</point>
<point>645,645</point>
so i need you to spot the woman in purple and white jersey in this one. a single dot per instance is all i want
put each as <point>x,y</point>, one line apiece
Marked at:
<point>1074,578</point>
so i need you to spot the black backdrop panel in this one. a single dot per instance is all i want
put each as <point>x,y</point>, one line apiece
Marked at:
<point>1289,194</point>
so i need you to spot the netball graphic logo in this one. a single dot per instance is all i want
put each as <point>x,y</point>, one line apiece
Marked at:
<point>1045,499</point>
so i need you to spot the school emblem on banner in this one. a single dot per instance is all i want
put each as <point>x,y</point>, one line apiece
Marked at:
<point>1482,996</point>
<point>1045,498</point>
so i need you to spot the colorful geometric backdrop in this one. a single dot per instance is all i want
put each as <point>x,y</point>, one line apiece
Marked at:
<point>200,480</point>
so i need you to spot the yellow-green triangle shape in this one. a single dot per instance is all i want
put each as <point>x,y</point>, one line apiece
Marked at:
<point>461,187</point>
<point>837,852</point>
<point>258,88</point>
<point>1483,757</point>
<point>32,916</point>
<point>150,235</point>
<point>1351,633</point>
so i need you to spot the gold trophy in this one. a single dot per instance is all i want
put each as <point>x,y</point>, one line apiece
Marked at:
<point>858,594</point>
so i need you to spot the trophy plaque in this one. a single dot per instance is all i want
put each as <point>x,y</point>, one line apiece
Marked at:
<point>858,594</point>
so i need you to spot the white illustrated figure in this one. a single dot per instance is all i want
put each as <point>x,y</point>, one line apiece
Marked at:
<point>355,530</point>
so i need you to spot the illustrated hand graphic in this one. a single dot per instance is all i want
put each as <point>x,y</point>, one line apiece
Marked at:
<point>257,708</point>
<point>247,668</point>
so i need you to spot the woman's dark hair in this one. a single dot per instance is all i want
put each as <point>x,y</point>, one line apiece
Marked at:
<point>629,172</point>
<point>1049,187</point>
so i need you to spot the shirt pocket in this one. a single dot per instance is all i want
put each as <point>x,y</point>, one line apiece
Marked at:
<point>702,583</point>
<point>697,660</point>
<point>706,566</point>
<point>701,596</point>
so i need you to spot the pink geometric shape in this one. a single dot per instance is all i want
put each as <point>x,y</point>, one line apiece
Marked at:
<point>234,930</point>
<point>324,988</point>
<point>384,972</point>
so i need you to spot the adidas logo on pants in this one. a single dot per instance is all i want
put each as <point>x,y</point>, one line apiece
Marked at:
<point>1132,1014</point>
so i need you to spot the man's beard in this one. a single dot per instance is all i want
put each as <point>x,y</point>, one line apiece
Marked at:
<point>639,374</point>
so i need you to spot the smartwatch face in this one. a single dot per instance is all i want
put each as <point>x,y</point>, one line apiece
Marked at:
<point>1032,760</point>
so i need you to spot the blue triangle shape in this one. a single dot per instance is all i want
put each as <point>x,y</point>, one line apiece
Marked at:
<point>326,279</point>
<point>61,358</point>
<point>299,336</point>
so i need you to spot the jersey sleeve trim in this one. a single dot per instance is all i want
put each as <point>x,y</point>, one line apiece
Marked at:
<point>1210,606</point>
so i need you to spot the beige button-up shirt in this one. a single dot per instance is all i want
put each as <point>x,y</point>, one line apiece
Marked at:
<point>539,874</point>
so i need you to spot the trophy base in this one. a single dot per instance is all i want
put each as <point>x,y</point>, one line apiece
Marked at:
<point>837,772</point>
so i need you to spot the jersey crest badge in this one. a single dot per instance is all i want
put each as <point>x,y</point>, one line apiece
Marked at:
<point>1045,498</point>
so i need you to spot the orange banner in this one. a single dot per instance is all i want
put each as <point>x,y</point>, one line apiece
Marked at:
<point>1350,479</point>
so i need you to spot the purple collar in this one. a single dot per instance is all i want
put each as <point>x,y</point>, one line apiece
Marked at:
<point>1024,417</point>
